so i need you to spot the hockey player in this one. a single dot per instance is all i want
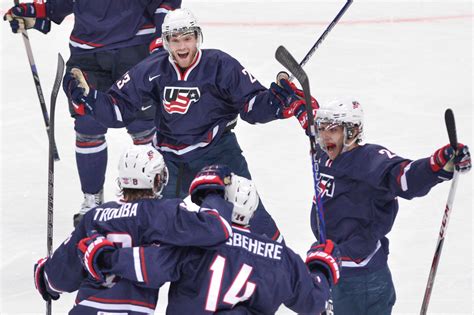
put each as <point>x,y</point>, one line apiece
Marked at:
<point>248,274</point>
<point>200,93</point>
<point>141,218</point>
<point>108,38</point>
<point>359,185</point>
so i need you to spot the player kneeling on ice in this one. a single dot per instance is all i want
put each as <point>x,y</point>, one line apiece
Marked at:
<point>141,218</point>
<point>359,185</point>
<point>247,274</point>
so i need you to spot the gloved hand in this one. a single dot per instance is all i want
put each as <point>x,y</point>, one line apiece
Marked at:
<point>29,15</point>
<point>94,252</point>
<point>40,282</point>
<point>290,102</point>
<point>325,258</point>
<point>211,179</point>
<point>447,159</point>
<point>156,45</point>
<point>78,91</point>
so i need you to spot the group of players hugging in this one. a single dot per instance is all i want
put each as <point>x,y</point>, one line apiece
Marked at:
<point>139,65</point>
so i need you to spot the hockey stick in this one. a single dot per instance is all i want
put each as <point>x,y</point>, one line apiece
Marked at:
<point>52,108</point>
<point>324,34</point>
<point>296,70</point>
<point>451,127</point>
<point>288,61</point>
<point>39,90</point>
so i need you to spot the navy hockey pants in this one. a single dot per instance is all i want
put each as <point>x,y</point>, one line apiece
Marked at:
<point>102,69</point>
<point>226,151</point>
<point>369,294</point>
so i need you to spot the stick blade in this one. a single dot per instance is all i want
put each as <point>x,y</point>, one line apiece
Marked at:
<point>288,61</point>
<point>451,127</point>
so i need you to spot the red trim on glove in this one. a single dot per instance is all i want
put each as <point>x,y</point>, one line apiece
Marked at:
<point>40,8</point>
<point>205,179</point>
<point>38,270</point>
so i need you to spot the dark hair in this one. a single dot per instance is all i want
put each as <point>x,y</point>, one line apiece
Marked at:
<point>132,194</point>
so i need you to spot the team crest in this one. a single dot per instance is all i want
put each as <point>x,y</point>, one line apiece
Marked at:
<point>178,99</point>
<point>326,185</point>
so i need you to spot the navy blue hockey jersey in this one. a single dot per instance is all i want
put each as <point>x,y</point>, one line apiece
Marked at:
<point>194,106</point>
<point>359,191</point>
<point>110,24</point>
<point>145,221</point>
<point>249,273</point>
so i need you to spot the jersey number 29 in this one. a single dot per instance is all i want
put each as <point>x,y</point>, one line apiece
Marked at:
<point>230,297</point>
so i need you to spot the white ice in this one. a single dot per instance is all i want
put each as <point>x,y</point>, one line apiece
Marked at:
<point>406,61</point>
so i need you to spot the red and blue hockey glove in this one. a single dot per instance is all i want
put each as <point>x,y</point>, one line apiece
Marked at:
<point>211,179</point>
<point>81,96</point>
<point>29,15</point>
<point>325,258</point>
<point>156,45</point>
<point>94,252</point>
<point>290,102</point>
<point>40,281</point>
<point>448,159</point>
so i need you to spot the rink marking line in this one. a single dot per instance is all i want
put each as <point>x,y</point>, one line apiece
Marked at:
<point>349,22</point>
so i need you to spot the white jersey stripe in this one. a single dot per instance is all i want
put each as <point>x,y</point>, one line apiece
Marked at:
<point>403,179</point>
<point>91,150</point>
<point>137,264</point>
<point>352,264</point>
<point>161,10</point>
<point>117,307</point>
<point>188,148</point>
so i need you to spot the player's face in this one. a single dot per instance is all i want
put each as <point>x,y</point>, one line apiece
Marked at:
<point>183,48</point>
<point>332,138</point>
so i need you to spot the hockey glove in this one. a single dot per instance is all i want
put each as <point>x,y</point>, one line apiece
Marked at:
<point>40,282</point>
<point>211,179</point>
<point>78,92</point>
<point>290,102</point>
<point>448,159</point>
<point>156,45</point>
<point>94,252</point>
<point>325,258</point>
<point>29,15</point>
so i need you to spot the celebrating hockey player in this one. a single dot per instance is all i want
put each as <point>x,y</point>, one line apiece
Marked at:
<point>249,274</point>
<point>141,218</point>
<point>200,93</point>
<point>108,38</point>
<point>359,185</point>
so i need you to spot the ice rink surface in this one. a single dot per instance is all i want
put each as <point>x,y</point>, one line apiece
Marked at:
<point>406,62</point>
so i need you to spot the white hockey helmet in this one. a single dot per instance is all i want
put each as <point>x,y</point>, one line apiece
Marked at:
<point>180,22</point>
<point>242,193</point>
<point>138,167</point>
<point>346,112</point>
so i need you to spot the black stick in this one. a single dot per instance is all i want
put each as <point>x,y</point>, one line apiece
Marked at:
<point>39,90</point>
<point>453,140</point>
<point>325,33</point>
<point>289,62</point>
<point>54,95</point>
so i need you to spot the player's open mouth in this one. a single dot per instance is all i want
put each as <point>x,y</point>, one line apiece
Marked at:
<point>183,55</point>
<point>330,147</point>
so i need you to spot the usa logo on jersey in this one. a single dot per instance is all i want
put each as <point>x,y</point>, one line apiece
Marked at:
<point>178,99</point>
<point>326,185</point>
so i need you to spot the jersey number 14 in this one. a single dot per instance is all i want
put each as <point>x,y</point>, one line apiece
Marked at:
<point>230,297</point>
